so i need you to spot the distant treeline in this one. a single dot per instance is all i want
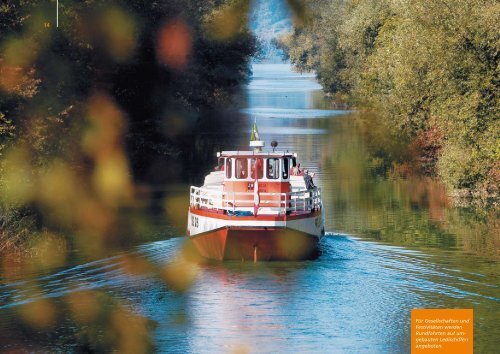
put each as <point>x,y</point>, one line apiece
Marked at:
<point>429,70</point>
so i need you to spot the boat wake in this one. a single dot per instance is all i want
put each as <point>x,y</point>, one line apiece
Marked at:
<point>369,265</point>
<point>104,273</point>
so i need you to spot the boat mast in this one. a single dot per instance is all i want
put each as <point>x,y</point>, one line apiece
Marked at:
<point>255,141</point>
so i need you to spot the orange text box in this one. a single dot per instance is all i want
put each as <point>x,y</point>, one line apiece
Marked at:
<point>442,331</point>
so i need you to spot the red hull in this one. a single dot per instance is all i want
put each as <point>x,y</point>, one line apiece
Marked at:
<point>259,244</point>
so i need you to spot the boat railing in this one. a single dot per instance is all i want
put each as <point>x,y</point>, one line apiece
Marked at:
<point>275,203</point>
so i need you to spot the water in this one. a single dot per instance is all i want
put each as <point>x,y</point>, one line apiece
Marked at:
<point>391,245</point>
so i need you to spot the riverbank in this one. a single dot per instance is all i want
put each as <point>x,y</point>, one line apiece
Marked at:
<point>15,231</point>
<point>397,156</point>
<point>428,73</point>
<point>119,94</point>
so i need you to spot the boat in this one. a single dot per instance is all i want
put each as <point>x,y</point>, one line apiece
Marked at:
<point>256,206</point>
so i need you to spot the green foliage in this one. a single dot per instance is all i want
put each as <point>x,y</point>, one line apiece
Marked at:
<point>113,95</point>
<point>48,74</point>
<point>16,229</point>
<point>6,132</point>
<point>421,66</point>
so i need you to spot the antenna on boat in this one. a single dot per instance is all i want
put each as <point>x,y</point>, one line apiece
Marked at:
<point>255,141</point>
<point>274,144</point>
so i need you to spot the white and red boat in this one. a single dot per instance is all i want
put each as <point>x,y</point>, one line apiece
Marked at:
<point>256,206</point>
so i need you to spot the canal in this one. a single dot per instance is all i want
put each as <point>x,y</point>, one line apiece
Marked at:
<point>392,244</point>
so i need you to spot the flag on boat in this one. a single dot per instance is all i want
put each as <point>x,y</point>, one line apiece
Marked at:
<point>256,197</point>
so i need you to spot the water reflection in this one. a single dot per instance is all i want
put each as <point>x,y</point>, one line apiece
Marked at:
<point>355,298</point>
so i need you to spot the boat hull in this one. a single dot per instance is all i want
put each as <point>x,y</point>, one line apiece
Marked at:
<point>256,244</point>
<point>220,236</point>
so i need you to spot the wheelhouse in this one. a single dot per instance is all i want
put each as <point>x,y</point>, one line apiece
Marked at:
<point>250,166</point>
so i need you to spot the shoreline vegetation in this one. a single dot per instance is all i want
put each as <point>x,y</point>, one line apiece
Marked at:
<point>428,75</point>
<point>111,100</point>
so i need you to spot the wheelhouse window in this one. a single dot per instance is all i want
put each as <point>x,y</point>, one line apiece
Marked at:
<point>256,168</point>
<point>273,168</point>
<point>241,168</point>
<point>229,169</point>
<point>286,168</point>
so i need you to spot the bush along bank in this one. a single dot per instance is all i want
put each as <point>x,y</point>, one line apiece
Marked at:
<point>108,100</point>
<point>430,72</point>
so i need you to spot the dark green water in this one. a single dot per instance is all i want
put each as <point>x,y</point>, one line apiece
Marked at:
<point>392,245</point>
